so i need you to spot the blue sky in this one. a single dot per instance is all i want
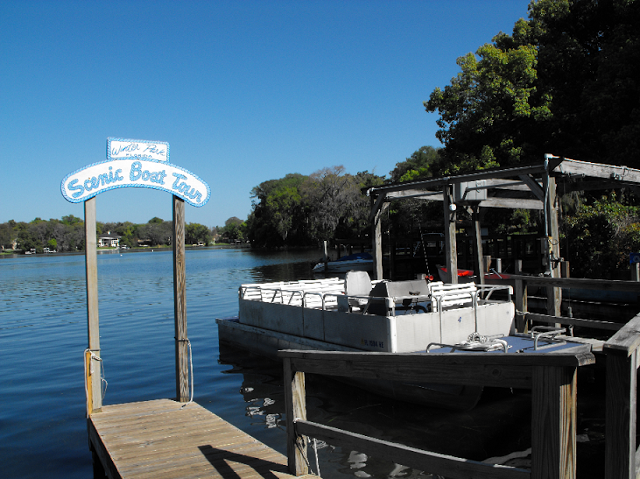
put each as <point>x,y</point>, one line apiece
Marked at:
<point>243,91</point>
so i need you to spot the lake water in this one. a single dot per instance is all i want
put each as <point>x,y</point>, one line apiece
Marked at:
<point>43,333</point>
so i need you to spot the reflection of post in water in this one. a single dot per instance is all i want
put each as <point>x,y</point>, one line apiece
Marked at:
<point>261,388</point>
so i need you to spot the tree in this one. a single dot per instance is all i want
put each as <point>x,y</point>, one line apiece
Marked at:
<point>564,82</point>
<point>195,233</point>
<point>602,236</point>
<point>331,197</point>
<point>278,217</point>
<point>417,167</point>
<point>6,235</point>
<point>157,231</point>
<point>234,230</point>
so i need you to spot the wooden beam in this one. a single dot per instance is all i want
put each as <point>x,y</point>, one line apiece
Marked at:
<point>620,424</point>
<point>581,283</point>
<point>93,322</point>
<point>417,194</point>
<point>554,294</point>
<point>295,409</point>
<point>180,301</point>
<point>586,323</point>
<point>435,463</point>
<point>534,186</point>
<point>447,180</point>
<point>553,423</point>
<point>627,340</point>
<point>475,369</point>
<point>376,234</point>
<point>477,250</point>
<point>451,252</point>
<point>513,203</point>
<point>598,170</point>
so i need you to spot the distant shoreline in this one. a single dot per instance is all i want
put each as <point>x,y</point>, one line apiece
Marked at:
<point>148,249</point>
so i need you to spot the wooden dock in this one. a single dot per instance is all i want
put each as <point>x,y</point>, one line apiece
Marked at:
<point>163,439</point>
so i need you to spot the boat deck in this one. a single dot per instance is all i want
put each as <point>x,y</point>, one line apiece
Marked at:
<point>162,439</point>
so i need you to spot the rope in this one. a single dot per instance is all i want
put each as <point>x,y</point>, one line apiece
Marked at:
<point>315,451</point>
<point>103,382</point>
<point>424,252</point>
<point>304,454</point>
<point>190,379</point>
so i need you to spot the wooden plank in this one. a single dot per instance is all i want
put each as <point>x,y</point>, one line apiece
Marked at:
<point>180,301</point>
<point>93,322</point>
<point>620,425</point>
<point>597,170</point>
<point>475,369</point>
<point>587,323</point>
<point>430,462</point>
<point>162,439</point>
<point>553,423</point>
<point>511,203</point>
<point>448,180</point>
<point>581,283</point>
<point>627,340</point>
<point>534,186</point>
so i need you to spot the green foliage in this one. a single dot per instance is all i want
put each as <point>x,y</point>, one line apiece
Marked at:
<point>195,233</point>
<point>302,210</point>
<point>234,231</point>
<point>564,82</point>
<point>419,166</point>
<point>601,237</point>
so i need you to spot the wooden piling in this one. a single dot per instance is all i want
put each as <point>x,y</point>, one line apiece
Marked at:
<point>94,384</point>
<point>180,301</point>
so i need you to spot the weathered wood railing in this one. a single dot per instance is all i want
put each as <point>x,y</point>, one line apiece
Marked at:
<point>553,310</point>
<point>622,460</point>
<point>552,379</point>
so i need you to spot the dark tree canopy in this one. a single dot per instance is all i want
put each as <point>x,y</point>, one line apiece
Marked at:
<point>564,82</point>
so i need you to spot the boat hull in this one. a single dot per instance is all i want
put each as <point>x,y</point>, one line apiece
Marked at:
<point>267,343</point>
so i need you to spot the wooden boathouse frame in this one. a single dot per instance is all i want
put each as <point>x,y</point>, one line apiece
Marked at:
<point>536,187</point>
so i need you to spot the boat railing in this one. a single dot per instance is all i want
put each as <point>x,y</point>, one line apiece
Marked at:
<point>293,294</point>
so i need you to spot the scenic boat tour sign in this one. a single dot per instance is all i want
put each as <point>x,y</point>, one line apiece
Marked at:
<point>135,164</point>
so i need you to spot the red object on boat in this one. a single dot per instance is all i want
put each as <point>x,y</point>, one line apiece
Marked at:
<point>461,272</point>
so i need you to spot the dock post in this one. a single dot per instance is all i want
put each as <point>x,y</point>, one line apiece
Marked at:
<point>451,254</point>
<point>180,302</point>
<point>478,256</point>
<point>295,408</point>
<point>552,251</point>
<point>553,423</point>
<point>620,429</point>
<point>94,379</point>
<point>520,300</point>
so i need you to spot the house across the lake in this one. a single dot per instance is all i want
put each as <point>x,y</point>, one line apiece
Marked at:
<point>109,240</point>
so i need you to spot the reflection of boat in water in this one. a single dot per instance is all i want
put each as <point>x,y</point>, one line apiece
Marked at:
<point>352,262</point>
<point>355,314</point>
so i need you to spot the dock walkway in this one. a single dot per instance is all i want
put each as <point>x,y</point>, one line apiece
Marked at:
<point>162,439</point>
